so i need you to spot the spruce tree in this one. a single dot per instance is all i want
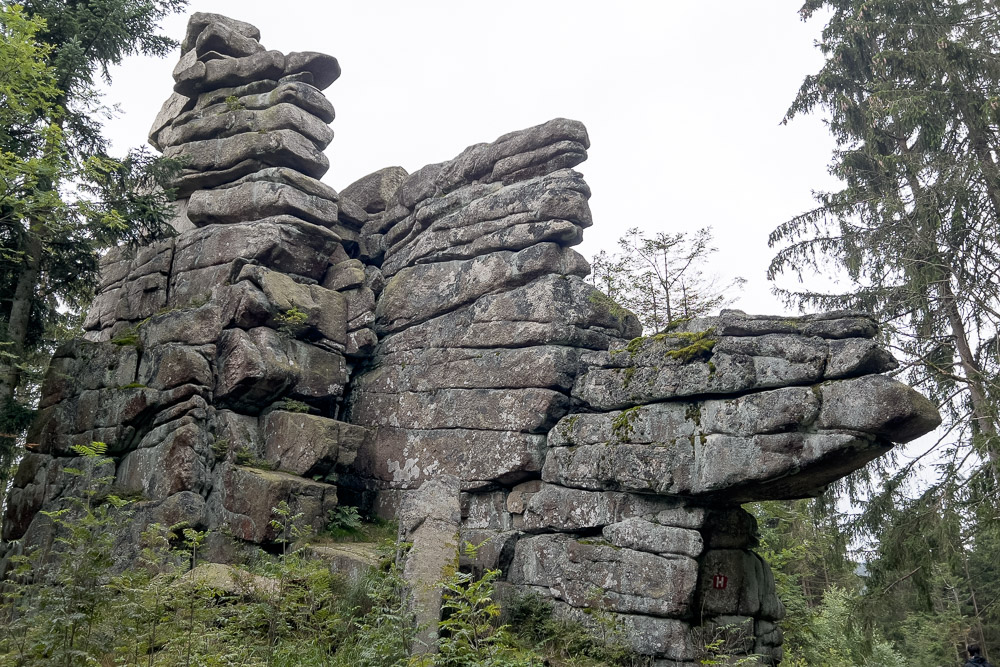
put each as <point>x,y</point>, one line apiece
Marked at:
<point>911,89</point>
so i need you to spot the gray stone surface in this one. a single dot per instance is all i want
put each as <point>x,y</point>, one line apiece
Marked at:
<point>215,123</point>
<point>418,293</point>
<point>243,498</point>
<point>320,310</point>
<point>404,458</point>
<point>590,574</point>
<point>374,191</point>
<point>256,367</point>
<point>174,106</point>
<point>879,405</point>
<point>213,162</point>
<point>430,518</point>
<point>528,410</point>
<point>289,246</point>
<point>542,366</point>
<point>199,21</point>
<point>477,219</point>
<point>555,508</point>
<point>180,462</point>
<point>202,76</point>
<point>310,445</point>
<point>642,535</point>
<point>218,38</point>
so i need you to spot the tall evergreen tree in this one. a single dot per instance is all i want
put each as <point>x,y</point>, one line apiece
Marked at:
<point>912,92</point>
<point>62,198</point>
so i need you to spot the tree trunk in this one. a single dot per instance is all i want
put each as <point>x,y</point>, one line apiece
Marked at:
<point>975,606</point>
<point>982,419</point>
<point>20,316</point>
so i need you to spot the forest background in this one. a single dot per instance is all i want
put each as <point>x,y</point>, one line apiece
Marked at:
<point>896,565</point>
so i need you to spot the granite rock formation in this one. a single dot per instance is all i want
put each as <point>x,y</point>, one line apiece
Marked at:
<point>428,340</point>
<point>215,362</point>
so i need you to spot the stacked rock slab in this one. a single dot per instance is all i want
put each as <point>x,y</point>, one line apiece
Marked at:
<point>482,320</point>
<point>214,363</point>
<point>443,317</point>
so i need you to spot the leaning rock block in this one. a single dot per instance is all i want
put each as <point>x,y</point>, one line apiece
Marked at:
<point>309,445</point>
<point>429,518</point>
<point>374,191</point>
<point>181,462</point>
<point>257,367</point>
<point>27,494</point>
<point>243,499</point>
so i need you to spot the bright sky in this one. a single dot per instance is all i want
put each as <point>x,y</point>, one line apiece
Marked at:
<point>682,99</point>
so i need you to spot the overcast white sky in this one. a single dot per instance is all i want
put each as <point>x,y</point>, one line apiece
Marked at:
<point>682,99</point>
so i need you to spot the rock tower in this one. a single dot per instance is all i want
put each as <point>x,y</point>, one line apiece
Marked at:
<point>424,346</point>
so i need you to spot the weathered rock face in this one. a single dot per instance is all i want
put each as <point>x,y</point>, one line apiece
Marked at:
<point>424,346</point>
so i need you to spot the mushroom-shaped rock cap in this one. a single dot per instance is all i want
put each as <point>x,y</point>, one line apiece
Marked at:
<point>201,20</point>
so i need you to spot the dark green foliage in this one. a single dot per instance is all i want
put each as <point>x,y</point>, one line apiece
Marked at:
<point>62,198</point>
<point>910,88</point>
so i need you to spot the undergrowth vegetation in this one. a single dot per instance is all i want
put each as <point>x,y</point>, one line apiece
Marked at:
<point>68,604</point>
